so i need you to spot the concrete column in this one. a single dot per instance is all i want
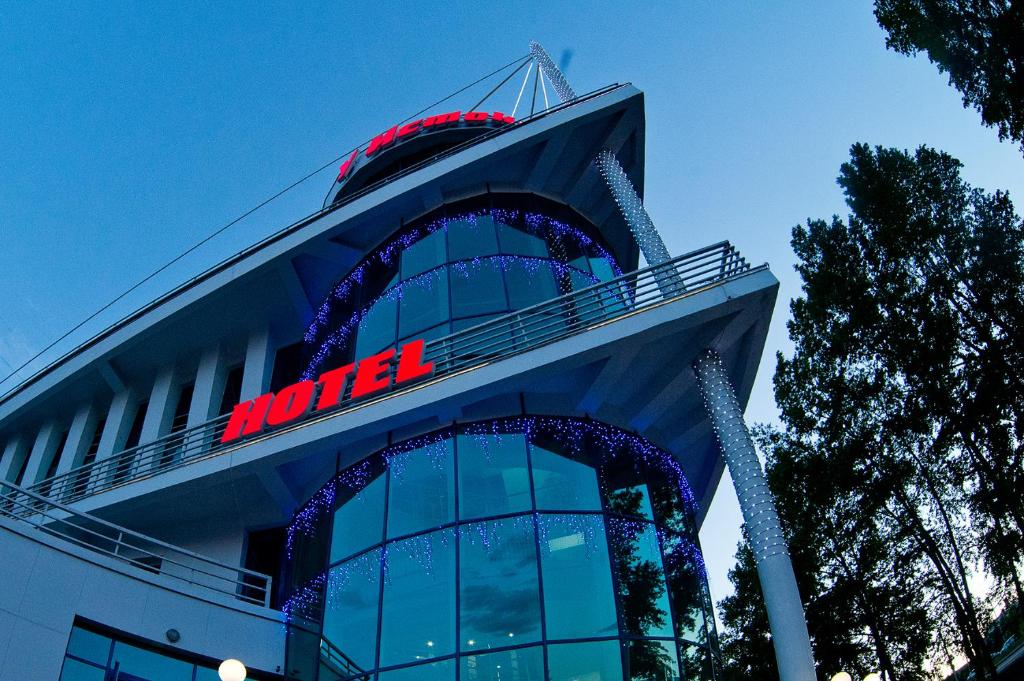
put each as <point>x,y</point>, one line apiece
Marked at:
<point>774,569</point>
<point>43,450</point>
<point>79,437</point>
<point>119,423</point>
<point>13,456</point>
<point>161,406</point>
<point>259,364</point>
<point>208,388</point>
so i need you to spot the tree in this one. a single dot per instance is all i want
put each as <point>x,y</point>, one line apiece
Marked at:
<point>979,44</point>
<point>902,459</point>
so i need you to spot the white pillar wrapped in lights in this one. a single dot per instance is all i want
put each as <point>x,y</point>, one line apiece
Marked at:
<point>774,569</point>
<point>632,208</point>
<point>623,191</point>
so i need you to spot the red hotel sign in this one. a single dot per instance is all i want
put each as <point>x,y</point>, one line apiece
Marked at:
<point>373,375</point>
<point>400,133</point>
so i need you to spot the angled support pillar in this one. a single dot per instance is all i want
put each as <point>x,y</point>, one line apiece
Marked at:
<point>79,437</point>
<point>774,569</point>
<point>259,364</point>
<point>623,192</point>
<point>14,456</point>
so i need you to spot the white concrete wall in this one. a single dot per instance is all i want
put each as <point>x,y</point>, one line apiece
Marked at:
<point>47,582</point>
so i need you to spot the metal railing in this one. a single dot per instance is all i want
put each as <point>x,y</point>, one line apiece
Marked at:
<point>127,546</point>
<point>510,334</point>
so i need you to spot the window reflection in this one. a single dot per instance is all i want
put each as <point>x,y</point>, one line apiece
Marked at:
<point>359,519</point>
<point>418,618</point>
<point>499,594</point>
<point>524,664</point>
<point>424,302</point>
<point>79,671</point>
<point>594,661</point>
<point>696,663</point>
<point>493,477</point>
<point>562,483</point>
<point>652,661</point>
<point>422,492</point>
<point>641,584</point>
<point>685,579</point>
<point>477,289</point>
<point>348,643</point>
<point>579,601</point>
<point>148,664</point>
<point>433,671</point>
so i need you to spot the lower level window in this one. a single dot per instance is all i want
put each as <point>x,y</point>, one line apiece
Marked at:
<point>96,654</point>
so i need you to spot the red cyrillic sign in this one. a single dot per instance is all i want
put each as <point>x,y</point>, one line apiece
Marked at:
<point>372,375</point>
<point>400,133</point>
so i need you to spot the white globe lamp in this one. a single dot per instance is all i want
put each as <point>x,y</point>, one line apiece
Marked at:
<point>231,670</point>
<point>872,677</point>
<point>842,676</point>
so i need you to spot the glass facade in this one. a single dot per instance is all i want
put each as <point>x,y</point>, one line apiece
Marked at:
<point>453,269</point>
<point>95,656</point>
<point>520,549</point>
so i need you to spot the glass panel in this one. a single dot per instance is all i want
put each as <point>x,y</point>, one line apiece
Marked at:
<point>422,489</point>
<point>696,663</point>
<point>79,671</point>
<point>602,269</point>
<point>477,288</point>
<point>149,665</point>
<point>424,302</point>
<point>522,664</point>
<point>653,661</point>
<point>529,282</point>
<point>350,615</point>
<point>425,254</point>
<point>471,238</point>
<point>359,521</point>
<point>642,594</point>
<point>499,597</point>
<point>518,242</point>
<point>493,477</point>
<point>89,646</point>
<point>434,671</point>
<point>377,330</point>
<point>596,661</point>
<point>562,484</point>
<point>206,674</point>
<point>418,620</point>
<point>579,600</point>
<point>684,571</point>
<point>623,480</point>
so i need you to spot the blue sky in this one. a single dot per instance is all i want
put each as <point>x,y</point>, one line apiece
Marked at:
<point>130,131</point>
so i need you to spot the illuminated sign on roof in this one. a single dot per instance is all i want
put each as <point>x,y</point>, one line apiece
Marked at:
<point>405,131</point>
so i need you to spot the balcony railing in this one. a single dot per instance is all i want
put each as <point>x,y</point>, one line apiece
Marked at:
<point>89,532</point>
<point>505,336</point>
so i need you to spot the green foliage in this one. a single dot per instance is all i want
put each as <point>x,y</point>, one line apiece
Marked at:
<point>902,460</point>
<point>979,44</point>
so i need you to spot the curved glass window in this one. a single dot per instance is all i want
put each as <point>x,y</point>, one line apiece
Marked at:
<point>458,267</point>
<point>525,548</point>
